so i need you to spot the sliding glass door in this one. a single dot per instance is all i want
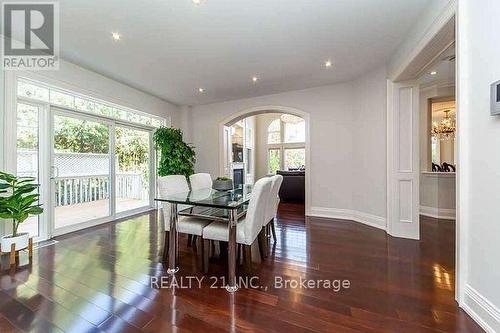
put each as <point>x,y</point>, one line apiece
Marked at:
<point>94,160</point>
<point>132,164</point>
<point>81,170</point>
<point>100,169</point>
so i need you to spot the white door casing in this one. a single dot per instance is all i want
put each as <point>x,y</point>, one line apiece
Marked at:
<point>227,152</point>
<point>403,160</point>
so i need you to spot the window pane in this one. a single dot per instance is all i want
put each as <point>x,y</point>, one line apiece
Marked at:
<point>145,120</point>
<point>32,91</point>
<point>62,99</point>
<point>104,109</point>
<point>295,158</point>
<point>120,114</point>
<point>273,137</point>
<point>80,136</point>
<point>156,122</point>
<point>133,117</point>
<point>274,132</point>
<point>82,169</point>
<point>274,126</point>
<point>132,169</point>
<point>295,132</point>
<point>85,105</point>
<point>274,160</point>
<point>27,154</point>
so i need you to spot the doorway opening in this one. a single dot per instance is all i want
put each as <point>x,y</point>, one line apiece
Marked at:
<point>265,142</point>
<point>437,131</point>
<point>423,174</point>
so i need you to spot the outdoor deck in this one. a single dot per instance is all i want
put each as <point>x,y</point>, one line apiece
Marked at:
<point>81,212</point>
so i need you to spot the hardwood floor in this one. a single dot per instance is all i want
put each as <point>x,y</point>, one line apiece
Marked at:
<point>98,280</point>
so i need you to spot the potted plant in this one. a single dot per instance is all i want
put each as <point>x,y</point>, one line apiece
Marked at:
<point>176,156</point>
<point>18,201</point>
<point>222,184</point>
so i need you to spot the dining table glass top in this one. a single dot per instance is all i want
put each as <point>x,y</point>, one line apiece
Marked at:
<point>208,197</point>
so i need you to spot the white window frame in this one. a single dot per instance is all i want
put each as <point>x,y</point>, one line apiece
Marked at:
<point>282,145</point>
<point>77,93</point>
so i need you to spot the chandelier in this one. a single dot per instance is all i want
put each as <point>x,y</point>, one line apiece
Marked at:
<point>445,129</point>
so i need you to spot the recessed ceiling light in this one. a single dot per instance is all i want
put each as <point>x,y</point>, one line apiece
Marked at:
<point>199,2</point>
<point>116,36</point>
<point>433,73</point>
<point>201,90</point>
<point>255,79</point>
<point>328,63</point>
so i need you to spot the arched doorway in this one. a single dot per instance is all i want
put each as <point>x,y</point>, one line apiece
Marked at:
<point>259,110</point>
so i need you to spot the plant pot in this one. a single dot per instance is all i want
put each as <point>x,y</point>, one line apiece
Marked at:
<point>222,185</point>
<point>21,241</point>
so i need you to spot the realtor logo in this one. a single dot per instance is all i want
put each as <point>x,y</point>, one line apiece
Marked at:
<point>31,36</point>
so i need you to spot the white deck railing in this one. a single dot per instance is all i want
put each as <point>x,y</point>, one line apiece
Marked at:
<point>80,189</point>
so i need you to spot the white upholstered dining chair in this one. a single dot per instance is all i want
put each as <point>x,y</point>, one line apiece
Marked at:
<point>249,227</point>
<point>200,180</point>
<point>272,207</point>
<point>169,185</point>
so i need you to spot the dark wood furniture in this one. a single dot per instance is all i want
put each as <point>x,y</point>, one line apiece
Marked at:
<point>293,186</point>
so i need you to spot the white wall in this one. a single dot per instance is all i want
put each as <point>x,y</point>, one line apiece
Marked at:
<point>71,76</point>
<point>438,195</point>
<point>447,151</point>
<point>369,163</point>
<point>332,110</point>
<point>185,123</point>
<point>479,160</point>
<point>262,124</point>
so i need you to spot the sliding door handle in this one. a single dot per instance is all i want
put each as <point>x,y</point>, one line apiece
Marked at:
<point>54,172</point>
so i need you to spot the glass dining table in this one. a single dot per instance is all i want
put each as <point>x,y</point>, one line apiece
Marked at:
<point>213,205</point>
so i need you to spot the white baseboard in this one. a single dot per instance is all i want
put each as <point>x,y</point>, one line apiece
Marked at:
<point>348,214</point>
<point>485,313</point>
<point>438,213</point>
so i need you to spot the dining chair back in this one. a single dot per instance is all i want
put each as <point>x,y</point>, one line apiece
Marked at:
<point>168,185</point>
<point>192,226</point>
<point>200,180</point>
<point>256,210</point>
<point>272,206</point>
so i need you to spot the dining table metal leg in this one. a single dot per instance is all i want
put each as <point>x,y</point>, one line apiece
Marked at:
<point>231,252</point>
<point>173,244</point>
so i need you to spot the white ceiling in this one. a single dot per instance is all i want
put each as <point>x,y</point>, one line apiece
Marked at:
<point>169,48</point>
<point>444,68</point>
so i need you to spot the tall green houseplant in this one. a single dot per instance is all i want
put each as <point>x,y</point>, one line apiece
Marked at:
<point>18,199</point>
<point>176,157</point>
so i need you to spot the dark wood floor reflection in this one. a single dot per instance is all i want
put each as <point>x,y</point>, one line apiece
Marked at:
<point>98,280</point>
